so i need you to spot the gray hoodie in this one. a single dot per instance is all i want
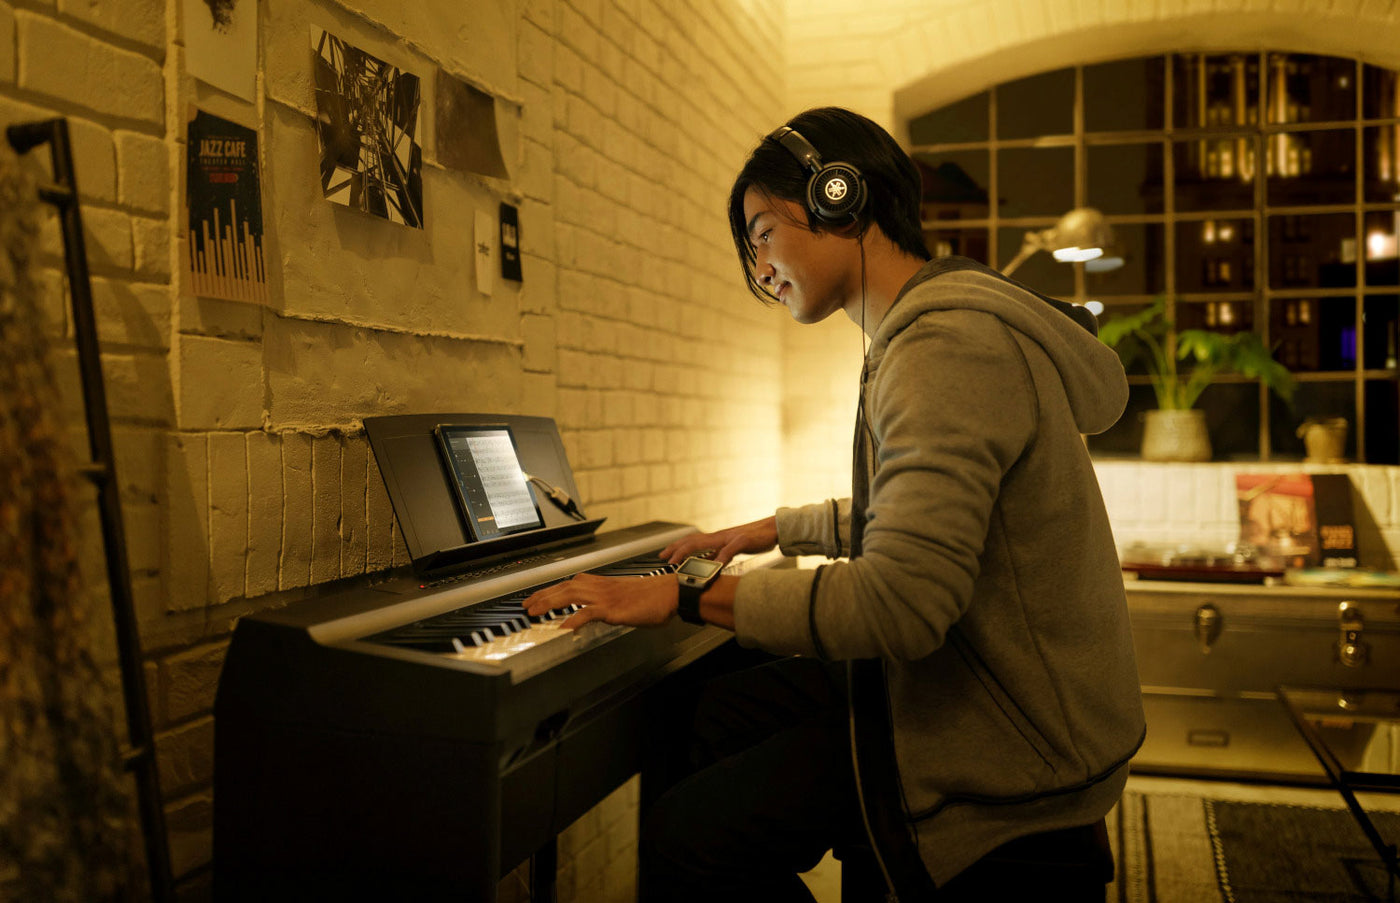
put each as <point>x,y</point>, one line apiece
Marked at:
<point>988,581</point>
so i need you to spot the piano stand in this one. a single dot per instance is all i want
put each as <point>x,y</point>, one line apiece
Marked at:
<point>350,768</point>
<point>342,768</point>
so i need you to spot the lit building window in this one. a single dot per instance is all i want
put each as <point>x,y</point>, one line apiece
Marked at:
<point>1231,183</point>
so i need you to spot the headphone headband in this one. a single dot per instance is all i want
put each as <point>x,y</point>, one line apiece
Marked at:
<point>799,147</point>
<point>836,192</point>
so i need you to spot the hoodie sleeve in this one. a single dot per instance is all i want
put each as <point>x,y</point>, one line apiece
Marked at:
<point>952,408</point>
<point>823,528</point>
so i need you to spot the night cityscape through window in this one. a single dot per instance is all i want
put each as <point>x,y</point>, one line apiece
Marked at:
<point>1254,191</point>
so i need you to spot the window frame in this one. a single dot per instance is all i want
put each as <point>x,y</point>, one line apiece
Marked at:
<point>1258,129</point>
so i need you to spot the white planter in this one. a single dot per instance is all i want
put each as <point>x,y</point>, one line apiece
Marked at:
<point>1325,440</point>
<point>1175,436</point>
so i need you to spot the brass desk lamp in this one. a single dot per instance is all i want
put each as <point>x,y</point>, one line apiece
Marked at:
<point>1082,236</point>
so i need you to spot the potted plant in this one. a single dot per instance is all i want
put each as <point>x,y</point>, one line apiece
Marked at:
<point>1181,365</point>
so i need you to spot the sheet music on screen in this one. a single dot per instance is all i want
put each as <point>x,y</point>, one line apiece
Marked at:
<point>490,483</point>
<point>506,490</point>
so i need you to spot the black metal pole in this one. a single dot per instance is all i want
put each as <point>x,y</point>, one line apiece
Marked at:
<point>543,867</point>
<point>141,759</point>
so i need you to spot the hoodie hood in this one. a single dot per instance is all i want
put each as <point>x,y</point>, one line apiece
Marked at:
<point>1091,372</point>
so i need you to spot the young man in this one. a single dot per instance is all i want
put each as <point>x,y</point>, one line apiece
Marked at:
<point>987,688</point>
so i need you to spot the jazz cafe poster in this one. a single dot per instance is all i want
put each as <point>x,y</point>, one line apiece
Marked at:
<point>224,257</point>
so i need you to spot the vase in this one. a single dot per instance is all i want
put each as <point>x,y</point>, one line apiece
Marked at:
<point>1175,436</point>
<point>1325,440</point>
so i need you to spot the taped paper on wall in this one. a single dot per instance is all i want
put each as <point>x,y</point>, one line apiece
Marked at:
<point>467,138</point>
<point>510,244</point>
<point>221,44</point>
<point>224,240</point>
<point>485,245</point>
<point>366,123</point>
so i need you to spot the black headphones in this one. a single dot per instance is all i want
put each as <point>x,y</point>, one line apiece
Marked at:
<point>836,191</point>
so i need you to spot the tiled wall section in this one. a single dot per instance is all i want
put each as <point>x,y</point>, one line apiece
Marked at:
<point>1196,503</point>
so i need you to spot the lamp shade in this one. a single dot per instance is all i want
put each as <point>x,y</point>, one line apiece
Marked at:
<point>1080,236</point>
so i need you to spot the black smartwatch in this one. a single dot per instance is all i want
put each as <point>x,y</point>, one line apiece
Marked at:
<point>695,574</point>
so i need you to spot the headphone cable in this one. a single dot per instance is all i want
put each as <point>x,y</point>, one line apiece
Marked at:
<point>559,497</point>
<point>864,349</point>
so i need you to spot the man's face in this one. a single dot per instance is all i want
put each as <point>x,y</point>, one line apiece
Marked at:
<point>810,273</point>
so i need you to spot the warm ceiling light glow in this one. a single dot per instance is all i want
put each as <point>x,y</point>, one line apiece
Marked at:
<point>1094,307</point>
<point>1077,255</point>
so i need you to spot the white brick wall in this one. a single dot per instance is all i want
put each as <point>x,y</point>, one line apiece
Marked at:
<point>1196,503</point>
<point>7,43</point>
<point>240,426</point>
<point>72,66</point>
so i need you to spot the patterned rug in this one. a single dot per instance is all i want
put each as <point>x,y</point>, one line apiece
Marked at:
<point>1186,849</point>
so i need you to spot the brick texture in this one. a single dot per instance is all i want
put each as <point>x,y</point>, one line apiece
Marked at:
<point>7,43</point>
<point>69,65</point>
<point>139,21</point>
<point>144,163</point>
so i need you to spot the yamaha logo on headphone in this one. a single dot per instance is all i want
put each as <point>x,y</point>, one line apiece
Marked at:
<point>836,192</point>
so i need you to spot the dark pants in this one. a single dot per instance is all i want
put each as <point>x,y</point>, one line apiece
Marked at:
<point>765,788</point>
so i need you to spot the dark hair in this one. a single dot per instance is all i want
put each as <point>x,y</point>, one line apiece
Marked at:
<point>891,178</point>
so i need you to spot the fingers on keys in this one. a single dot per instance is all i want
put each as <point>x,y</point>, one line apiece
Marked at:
<point>701,545</point>
<point>554,601</point>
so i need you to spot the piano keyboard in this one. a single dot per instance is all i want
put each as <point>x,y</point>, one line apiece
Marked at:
<point>361,755</point>
<point>499,629</point>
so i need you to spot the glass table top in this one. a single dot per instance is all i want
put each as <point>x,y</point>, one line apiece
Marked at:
<point>1355,733</point>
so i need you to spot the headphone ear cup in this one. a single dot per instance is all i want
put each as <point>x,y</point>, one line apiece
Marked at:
<point>836,193</point>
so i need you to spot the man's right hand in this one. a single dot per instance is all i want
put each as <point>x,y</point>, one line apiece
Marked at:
<point>758,536</point>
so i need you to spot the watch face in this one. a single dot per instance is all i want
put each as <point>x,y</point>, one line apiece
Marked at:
<point>699,567</point>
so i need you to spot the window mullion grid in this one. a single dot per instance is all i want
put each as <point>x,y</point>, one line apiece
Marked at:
<point>1080,174</point>
<point>1169,196</point>
<point>1261,133</point>
<point>993,183</point>
<point>1263,300</point>
<point>1358,315</point>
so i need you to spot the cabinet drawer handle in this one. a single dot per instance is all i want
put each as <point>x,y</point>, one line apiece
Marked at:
<point>1217,739</point>
<point>1352,651</point>
<point>1208,625</point>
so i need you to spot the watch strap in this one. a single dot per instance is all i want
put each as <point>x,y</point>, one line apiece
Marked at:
<point>688,603</point>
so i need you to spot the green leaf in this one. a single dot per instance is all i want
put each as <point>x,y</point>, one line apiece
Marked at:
<point>1149,335</point>
<point>1149,320</point>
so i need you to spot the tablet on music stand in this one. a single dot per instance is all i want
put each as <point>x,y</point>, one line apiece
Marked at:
<point>492,491</point>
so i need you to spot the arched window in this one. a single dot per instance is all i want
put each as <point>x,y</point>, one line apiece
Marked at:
<point>1254,191</point>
